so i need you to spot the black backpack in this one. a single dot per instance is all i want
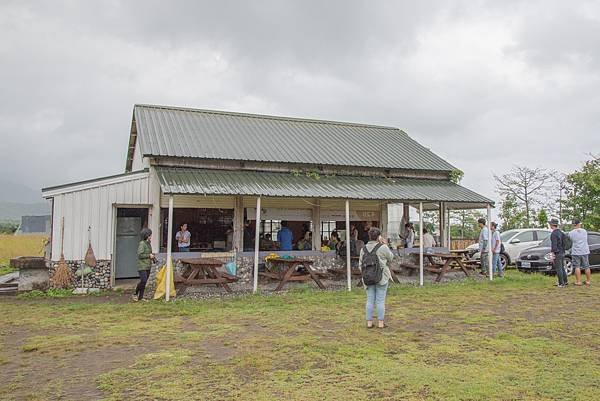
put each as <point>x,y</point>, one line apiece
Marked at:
<point>370,268</point>
<point>566,240</point>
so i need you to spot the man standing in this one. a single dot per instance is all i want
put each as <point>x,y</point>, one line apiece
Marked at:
<point>428,239</point>
<point>183,238</point>
<point>484,245</point>
<point>558,253</point>
<point>496,246</point>
<point>580,252</point>
<point>285,237</point>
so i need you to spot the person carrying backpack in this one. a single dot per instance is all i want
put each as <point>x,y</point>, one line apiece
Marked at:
<point>373,262</point>
<point>557,240</point>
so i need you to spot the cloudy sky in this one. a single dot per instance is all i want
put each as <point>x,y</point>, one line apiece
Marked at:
<point>484,84</point>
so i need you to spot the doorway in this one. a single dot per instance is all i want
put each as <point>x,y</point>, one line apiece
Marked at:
<point>129,223</point>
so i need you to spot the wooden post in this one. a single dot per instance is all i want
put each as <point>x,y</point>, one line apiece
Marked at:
<point>383,219</point>
<point>238,225</point>
<point>449,231</point>
<point>489,228</point>
<point>169,249</point>
<point>316,220</point>
<point>256,245</point>
<point>421,244</point>
<point>442,221</point>
<point>348,261</point>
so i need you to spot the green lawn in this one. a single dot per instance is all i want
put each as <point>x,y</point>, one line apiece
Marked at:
<point>518,338</point>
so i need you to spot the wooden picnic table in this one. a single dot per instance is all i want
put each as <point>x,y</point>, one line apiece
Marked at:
<point>284,270</point>
<point>449,262</point>
<point>206,271</point>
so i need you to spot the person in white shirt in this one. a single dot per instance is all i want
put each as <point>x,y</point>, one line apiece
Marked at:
<point>183,238</point>
<point>580,252</point>
<point>484,245</point>
<point>496,247</point>
<point>428,240</point>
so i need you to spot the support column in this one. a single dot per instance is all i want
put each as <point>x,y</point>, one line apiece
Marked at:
<point>154,212</point>
<point>421,244</point>
<point>238,225</point>
<point>348,261</point>
<point>256,245</point>
<point>169,249</point>
<point>316,220</point>
<point>383,219</point>
<point>405,215</point>
<point>489,228</point>
<point>442,222</point>
<point>449,231</point>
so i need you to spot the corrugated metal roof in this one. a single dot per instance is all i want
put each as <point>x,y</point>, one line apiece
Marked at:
<point>207,134</point>
<point>254,183</point>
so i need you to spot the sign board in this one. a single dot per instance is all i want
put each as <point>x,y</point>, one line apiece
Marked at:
<point>355,215</point>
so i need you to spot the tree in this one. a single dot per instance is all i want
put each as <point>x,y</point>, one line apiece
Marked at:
<point>542,218</point>
<point>525,186</point>
<point>583,199</point>
<point>463,223</point>
<point>511,214</point>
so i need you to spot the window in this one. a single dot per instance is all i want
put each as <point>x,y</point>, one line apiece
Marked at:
<point>593,239</point>
<point>270,227</point>
<point>542,235</point>
<point>327,227</point>
<point>526,236</point>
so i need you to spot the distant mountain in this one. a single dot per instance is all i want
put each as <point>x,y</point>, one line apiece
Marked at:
<point>14,210</point>
<point>18,193</point>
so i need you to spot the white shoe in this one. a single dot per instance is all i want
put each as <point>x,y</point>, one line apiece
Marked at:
<point>134,298</point>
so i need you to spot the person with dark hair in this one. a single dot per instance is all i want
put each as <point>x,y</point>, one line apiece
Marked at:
<point>495,247</point>
<point>145,259</point>
<point>248,237</point>
<point>409,235</point>
<point>334,240</point>
<point>183,237</point>
<point>305,243</point>
<point>285,237</point>
<point>376,292</point>
<point>484,245</point>
<point>428,239</point>
<point>557,253</point>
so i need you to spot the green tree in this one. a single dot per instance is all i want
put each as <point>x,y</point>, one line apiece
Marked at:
<point>512,214</point>
<point>463,223</point>
<point>583,199</point>
<point>542,218</point>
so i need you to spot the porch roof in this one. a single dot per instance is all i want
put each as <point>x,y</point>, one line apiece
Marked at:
<point>177,181</point>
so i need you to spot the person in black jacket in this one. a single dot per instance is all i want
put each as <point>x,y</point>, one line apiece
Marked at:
<point>558,253</point>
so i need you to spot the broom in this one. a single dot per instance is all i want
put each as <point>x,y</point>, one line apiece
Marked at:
<point>63,277</point>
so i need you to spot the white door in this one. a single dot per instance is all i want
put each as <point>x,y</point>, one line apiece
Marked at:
<point>519,243</point>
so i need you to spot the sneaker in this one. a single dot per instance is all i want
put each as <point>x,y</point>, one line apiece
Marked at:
<point>134,298</point>
<point>561,286</point>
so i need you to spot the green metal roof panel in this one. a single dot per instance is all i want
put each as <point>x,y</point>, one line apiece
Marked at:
<point>207,134</point>
<point>254,183</point>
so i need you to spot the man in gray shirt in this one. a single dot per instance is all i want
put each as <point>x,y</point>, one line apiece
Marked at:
<point>580,252</point>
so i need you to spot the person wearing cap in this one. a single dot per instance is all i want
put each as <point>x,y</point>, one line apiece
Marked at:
<point>145,259</point>
<point>558,253</point>
<point>484,245</point>
<point>580,252</point>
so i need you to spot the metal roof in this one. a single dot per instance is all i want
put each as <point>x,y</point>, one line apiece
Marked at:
<point>253,183</point>
<point>208,134</point>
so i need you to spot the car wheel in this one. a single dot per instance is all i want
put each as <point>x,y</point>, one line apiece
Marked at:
<point>568,266</point>
<point>503,261</point>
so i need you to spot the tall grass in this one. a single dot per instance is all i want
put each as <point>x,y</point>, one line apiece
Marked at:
<point>12,246</point>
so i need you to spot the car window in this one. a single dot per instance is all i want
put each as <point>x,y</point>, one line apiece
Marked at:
<point>546,242</point>
<point>542,235</point>
<point>506,235</point>
<point>593,239</point>
<point>526,236</point>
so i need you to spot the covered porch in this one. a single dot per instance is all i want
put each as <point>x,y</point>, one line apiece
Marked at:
<point>253,204</point>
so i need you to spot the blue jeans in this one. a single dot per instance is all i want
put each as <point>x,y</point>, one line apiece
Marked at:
<point>497,264</point>
<point>376,296</point>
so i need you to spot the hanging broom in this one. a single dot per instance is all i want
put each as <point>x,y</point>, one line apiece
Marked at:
<point>63,277</point>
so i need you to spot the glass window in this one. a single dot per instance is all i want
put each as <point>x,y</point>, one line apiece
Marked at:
<point>506,235</point>
<point>542,235</point>
<point>327,227</point>
<point>526,236</point>
<point>593,239</point>
<point>271,227</point>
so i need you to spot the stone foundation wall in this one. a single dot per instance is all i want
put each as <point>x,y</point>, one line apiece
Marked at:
<point>99,278</point>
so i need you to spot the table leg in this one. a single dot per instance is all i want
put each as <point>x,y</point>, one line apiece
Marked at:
<point>287,275</point>
<point>314,276</point>
<point>193,274</point>
<point>214,271</point>
<point>443,270</point>
<point>463,267</point>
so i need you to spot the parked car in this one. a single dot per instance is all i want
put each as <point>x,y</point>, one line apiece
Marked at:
<point>515,241</point>
<point>537,259</point>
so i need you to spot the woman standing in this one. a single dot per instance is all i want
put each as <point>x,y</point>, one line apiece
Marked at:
<point>145,259</point>
<point>376,247</point>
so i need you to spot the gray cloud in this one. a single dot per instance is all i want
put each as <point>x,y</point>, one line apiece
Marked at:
<point>483,84</point>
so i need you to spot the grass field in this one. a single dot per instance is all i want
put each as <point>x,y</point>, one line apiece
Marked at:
<point>20,245</point>
<point>515,339</point>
